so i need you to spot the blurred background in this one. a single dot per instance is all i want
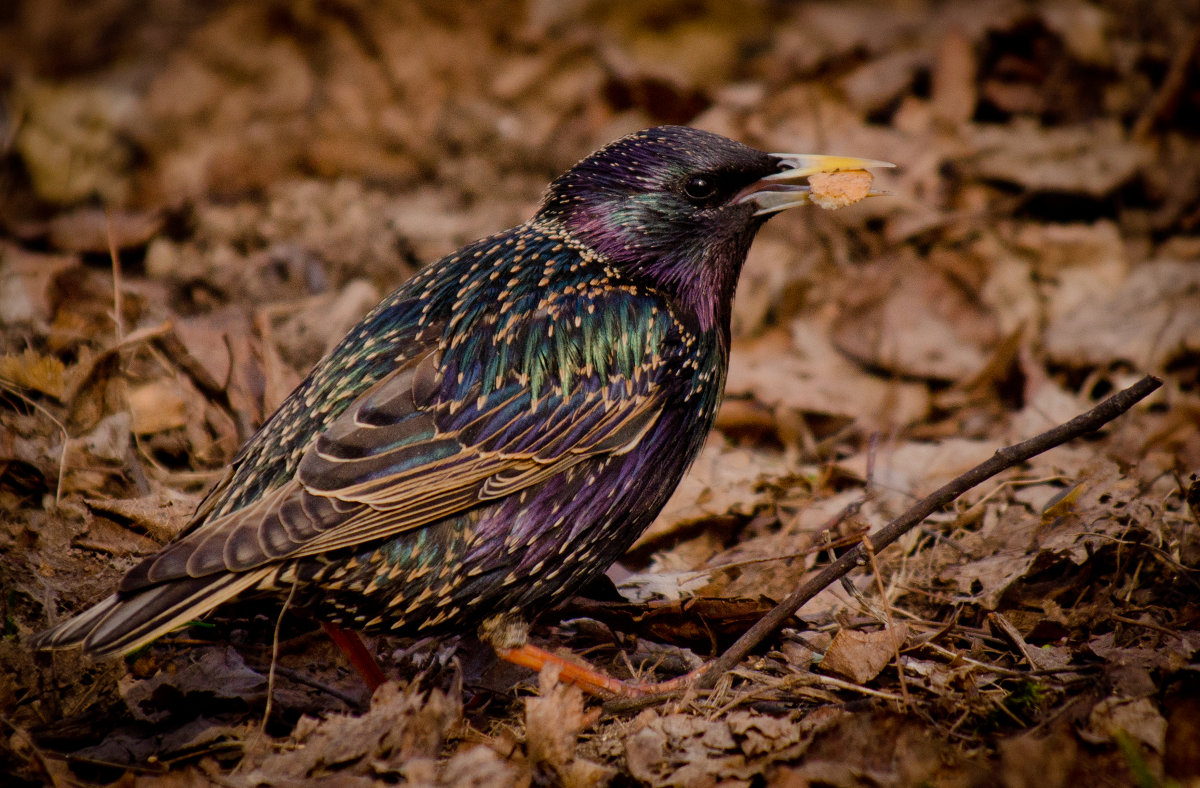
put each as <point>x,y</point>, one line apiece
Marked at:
<point>198,198</point>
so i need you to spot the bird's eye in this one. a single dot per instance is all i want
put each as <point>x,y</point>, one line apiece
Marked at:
<point>699,188</point>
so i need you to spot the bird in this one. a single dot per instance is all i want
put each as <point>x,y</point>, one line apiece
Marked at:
<point>497,431</point>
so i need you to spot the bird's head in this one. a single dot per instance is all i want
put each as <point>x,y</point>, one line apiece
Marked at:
<point>678,207</point>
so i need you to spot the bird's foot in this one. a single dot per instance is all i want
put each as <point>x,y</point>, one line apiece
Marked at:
<point>588,678</point>
<point>356,651</point>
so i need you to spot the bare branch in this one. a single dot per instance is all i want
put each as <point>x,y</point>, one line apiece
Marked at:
<point>1003,459</point>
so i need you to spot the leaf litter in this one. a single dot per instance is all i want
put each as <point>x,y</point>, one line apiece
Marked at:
<point>265,171</point>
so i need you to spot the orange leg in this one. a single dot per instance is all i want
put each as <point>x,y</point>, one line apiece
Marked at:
<point>356,651</point>
<point>588,678</point>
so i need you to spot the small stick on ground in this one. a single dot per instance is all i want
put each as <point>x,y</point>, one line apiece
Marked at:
<point>891,623</point>
<point>1003,459</point>
<point>118,305</point>
<point>275,658</point>
<point>1167,97</point>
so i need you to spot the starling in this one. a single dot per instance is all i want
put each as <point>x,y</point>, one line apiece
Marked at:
<point>498,430</point>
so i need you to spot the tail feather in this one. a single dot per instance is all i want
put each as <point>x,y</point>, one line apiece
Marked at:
<point>124,623</point>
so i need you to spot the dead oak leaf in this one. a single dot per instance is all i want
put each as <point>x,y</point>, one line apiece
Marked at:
<point>685,750</point>
<point>162,514</point>
<point>32,370</point>
<point>800,371</point>
<point>1137,718</point>
<point>403,727</point>
<point>1057,159</point>
<point>724,479</point>
<point>860,656</point>
<point>553,722</point>
<point>1150,320</point>
<point>158,406</point>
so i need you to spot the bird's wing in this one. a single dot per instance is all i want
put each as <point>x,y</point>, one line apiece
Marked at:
<point>406,454</point>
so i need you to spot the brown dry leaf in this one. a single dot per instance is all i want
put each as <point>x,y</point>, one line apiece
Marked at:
<point>724,480</point>
<point>133,745</point>
<point>90,229</point>
<point>482,767</point>
<point>770,565</point>
<point>553,722</point>
<point>310,332</point>
<point>157,406</point>
<point>26,280</point>
<point>105,536</point>
<point>222,351</point>
<point>162,514</point>
<point>189,777</point>
<point>902,473</point>
<point>205,344</point>
<point>954,93</point>
<point>32,370</point>
<point>684,750</point>
<point>204,673</point>
<point>876,84</point>
<point>916,320</point>
<point>71,139</point>
<point>1032,761</point>
<point>860,656</point>
<point>110,439</point>
<point>1083,28</point>
<point>1057,159</point>
<point>799,371</point>
<point>404,729</point>
<point>1015,542</point>
<point>1151,320</point>
<point>1137,718</point>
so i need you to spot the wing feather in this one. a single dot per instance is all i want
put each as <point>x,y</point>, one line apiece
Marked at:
<point>404,455</point>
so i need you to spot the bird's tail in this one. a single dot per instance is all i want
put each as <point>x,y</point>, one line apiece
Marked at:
<point>126,622</point>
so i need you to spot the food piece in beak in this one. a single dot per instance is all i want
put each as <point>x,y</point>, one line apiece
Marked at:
<point>838,189</point>
<point>836,181</point>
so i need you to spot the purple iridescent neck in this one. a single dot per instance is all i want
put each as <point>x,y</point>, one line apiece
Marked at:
<point>631,203</point>
<point>698,273</point>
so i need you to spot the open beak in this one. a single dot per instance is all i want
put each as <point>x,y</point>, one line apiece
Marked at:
<point>785,189</point>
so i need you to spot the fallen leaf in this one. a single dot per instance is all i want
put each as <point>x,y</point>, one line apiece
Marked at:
<point>553,721</point>
<point>32,370</point>
<point>482,767</point>
<point>90,229</point>
<point>1039,761</point>
<point>860,656</point>
<point>799,371</point>
<point>723,480</point>
<point>1151,320</point>
<point>916,321</point>
<point>1138,718</point>
<point>403,726</point>
<point>162,514</point>
<point>201,677</point>
<point>157,406</point>
<point>26,280</point>
<point>1057,159</point>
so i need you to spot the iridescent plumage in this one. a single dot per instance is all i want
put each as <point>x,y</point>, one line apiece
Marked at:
<point>499,429</point>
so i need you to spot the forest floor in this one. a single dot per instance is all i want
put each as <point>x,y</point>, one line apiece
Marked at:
<point>198,199</point>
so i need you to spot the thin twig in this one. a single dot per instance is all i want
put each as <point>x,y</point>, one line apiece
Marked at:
<point>118,306</point>
<point>275,656</point>
<point>891,623</point>
<point>1003,459</point>
<point>14,389</point>
<point>300,677</point>
<point>1167,97</point>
